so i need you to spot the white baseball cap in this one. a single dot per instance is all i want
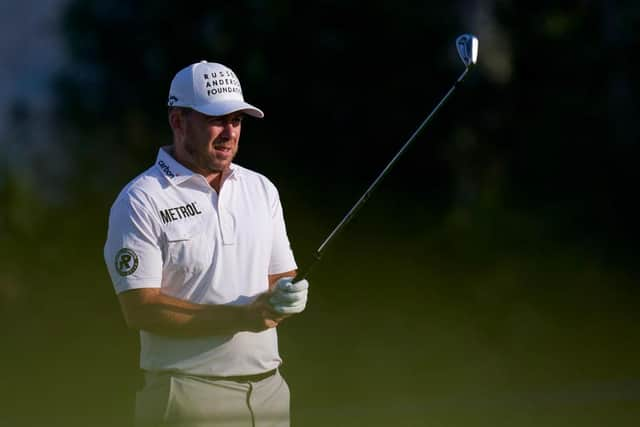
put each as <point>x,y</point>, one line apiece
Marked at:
<point>211,89</point>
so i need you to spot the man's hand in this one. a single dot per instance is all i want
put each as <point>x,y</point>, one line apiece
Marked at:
<point>260,315</point>
<point>288,297</point>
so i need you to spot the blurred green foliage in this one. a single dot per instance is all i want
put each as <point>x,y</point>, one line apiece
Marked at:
<point>547,118</point>
<point>491,280</point>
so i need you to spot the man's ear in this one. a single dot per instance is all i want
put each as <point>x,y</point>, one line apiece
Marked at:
<point>177,121</point>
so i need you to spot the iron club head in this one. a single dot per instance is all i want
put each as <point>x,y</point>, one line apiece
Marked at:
<point>467,45</point>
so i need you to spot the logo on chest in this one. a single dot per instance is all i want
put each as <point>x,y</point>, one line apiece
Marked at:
<point>179,212</point>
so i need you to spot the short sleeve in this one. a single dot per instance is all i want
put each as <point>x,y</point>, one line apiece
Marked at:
<point>282,259</point>
<point>132,253</point>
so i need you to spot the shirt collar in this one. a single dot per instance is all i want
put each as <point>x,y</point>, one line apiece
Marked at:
<point>176,173</point>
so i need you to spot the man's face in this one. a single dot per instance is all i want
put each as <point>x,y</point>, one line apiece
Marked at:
<point>211,142</point>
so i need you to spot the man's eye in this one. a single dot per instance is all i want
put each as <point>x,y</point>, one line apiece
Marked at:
<point>219,121</point>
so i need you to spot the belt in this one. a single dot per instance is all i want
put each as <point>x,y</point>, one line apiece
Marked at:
<point>243,378</point>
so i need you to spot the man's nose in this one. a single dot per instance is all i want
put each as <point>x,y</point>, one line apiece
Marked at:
<point>228,129</point>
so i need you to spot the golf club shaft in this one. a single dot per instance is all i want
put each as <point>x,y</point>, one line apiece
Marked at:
<point>318,253</point>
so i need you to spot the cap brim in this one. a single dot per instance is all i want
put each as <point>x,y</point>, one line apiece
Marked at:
<point>228,107</point>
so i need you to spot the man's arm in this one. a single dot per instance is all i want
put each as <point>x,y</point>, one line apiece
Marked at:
<point>273,278</point>
<point>153,311</point>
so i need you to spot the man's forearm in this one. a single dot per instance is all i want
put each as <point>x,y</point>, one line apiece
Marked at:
<point>173,317</point>
<point>161,314</point>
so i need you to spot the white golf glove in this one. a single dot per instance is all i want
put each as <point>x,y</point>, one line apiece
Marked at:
<point>288,297</point>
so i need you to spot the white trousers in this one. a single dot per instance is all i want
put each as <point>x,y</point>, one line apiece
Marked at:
<point>192,401</point>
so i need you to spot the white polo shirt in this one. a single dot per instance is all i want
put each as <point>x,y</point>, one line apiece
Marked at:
<point>169,229</point>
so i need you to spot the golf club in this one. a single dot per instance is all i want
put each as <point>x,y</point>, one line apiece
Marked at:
<point>467,45</point>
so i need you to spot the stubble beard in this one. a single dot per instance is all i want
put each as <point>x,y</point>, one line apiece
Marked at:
<point>201,158</point>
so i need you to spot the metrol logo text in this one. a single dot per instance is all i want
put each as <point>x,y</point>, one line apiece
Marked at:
<point>179,212</point>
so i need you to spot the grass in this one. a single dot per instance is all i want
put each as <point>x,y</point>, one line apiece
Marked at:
<point>456,323</point>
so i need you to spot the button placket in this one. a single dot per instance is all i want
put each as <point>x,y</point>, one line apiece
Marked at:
<point>226,219</point>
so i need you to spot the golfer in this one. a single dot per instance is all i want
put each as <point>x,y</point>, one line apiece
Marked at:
<point>199,257</point>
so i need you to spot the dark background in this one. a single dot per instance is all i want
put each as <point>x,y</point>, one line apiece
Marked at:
<point>490,281</point>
